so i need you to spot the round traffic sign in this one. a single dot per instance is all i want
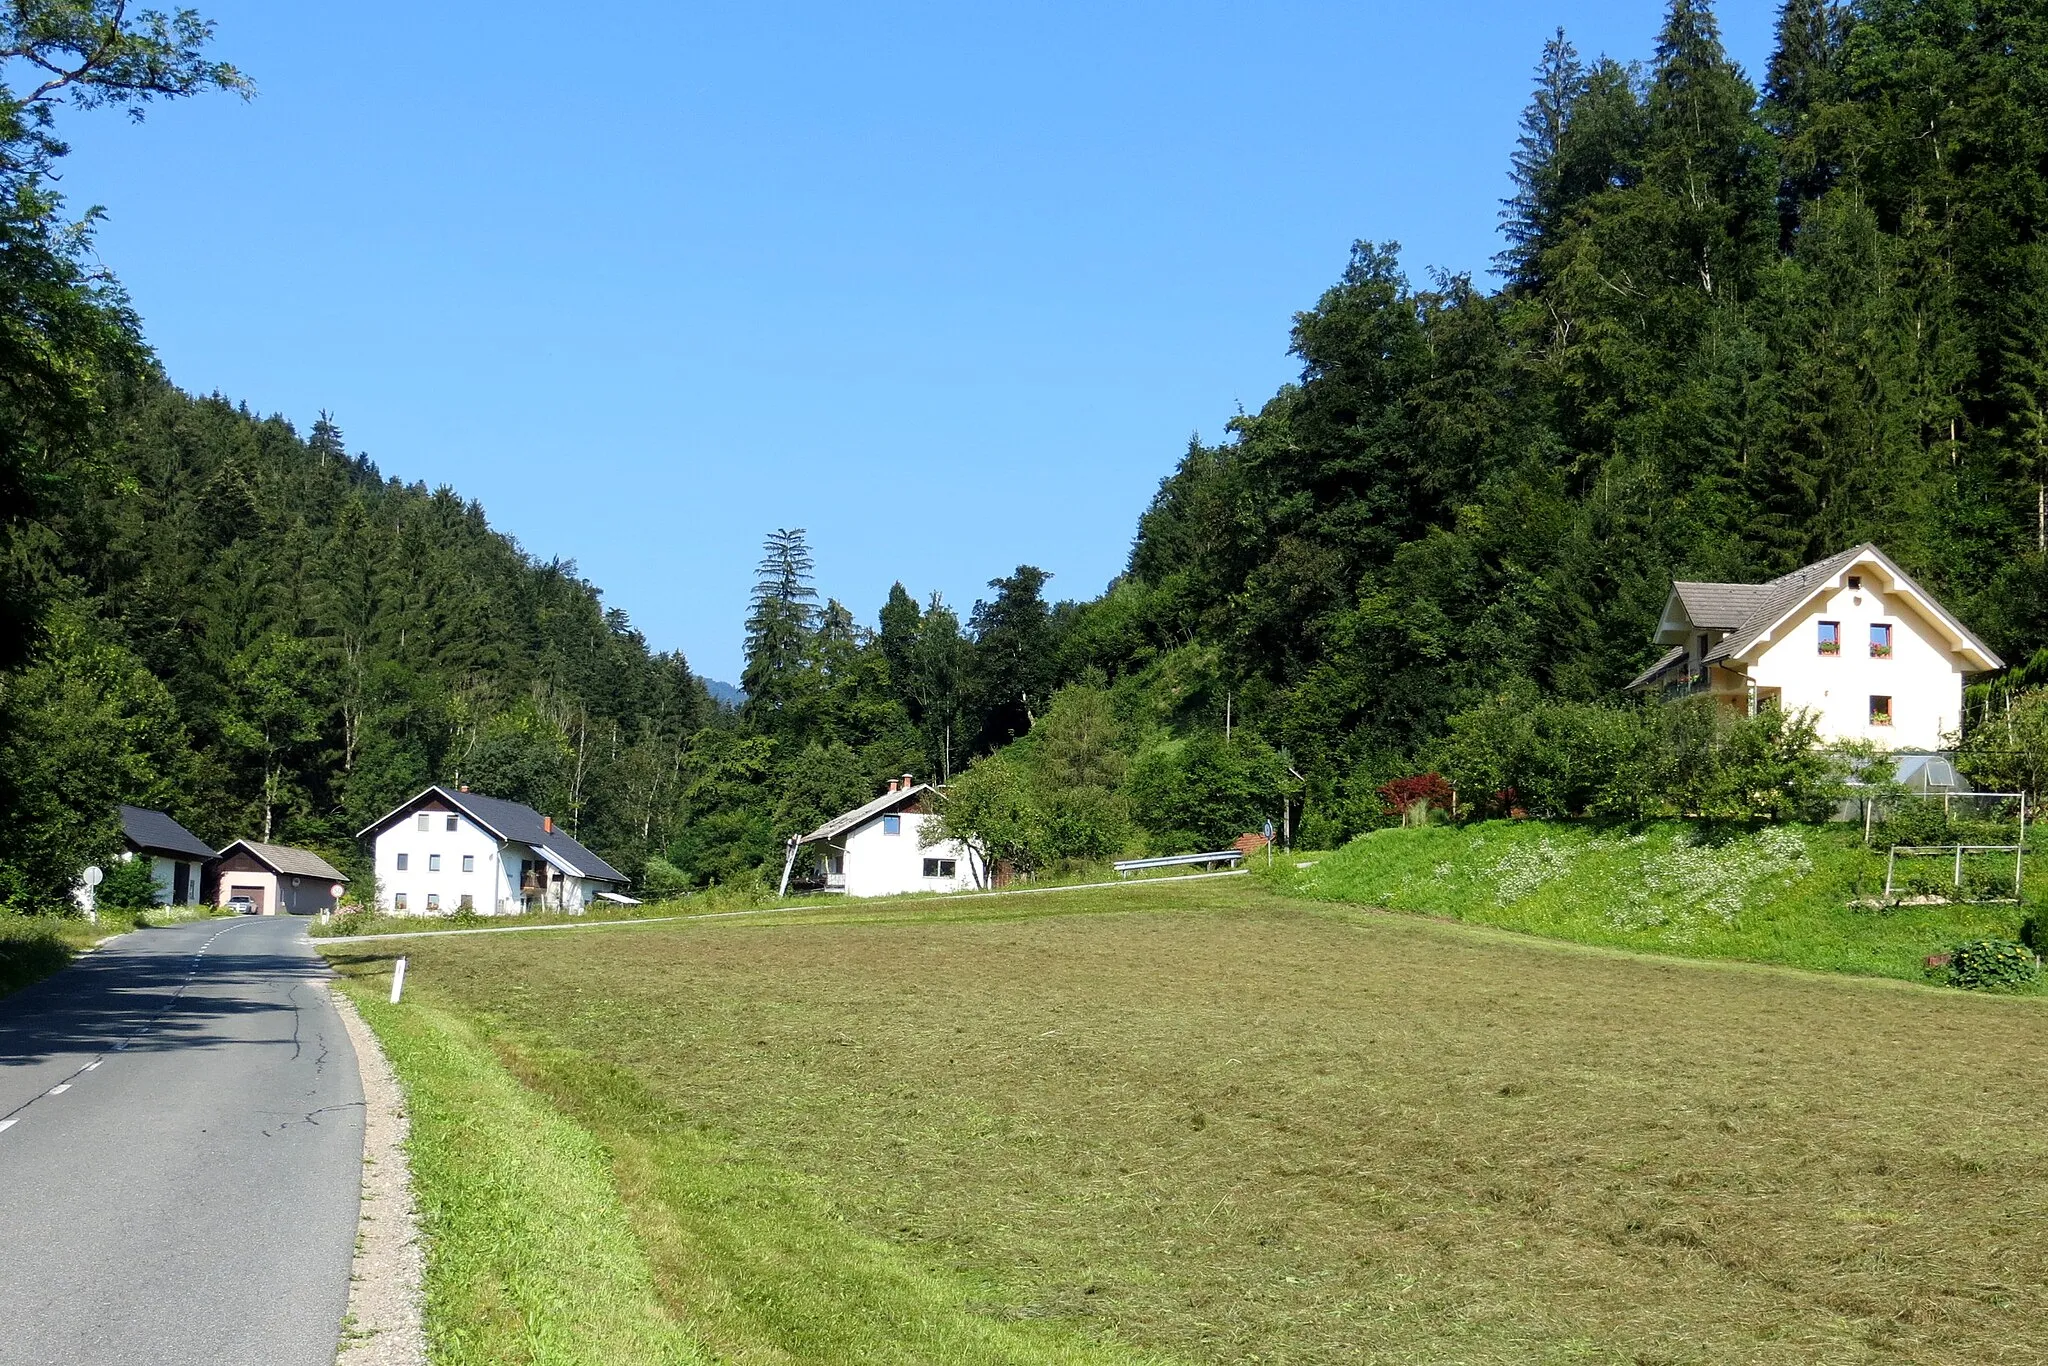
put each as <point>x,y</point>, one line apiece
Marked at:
<point>93,876</point>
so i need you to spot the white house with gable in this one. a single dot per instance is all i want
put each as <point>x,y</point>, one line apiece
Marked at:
<point>450,850</point>
<point>1852,639</point>
<point>879,850</point>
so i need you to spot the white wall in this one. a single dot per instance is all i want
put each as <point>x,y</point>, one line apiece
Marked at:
<point>492,884</point>
<point>485,884</point>
<point>1923,677</point>
<point>165,870</point>
<point>881,864</point>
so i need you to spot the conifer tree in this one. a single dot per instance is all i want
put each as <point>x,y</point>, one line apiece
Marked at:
<point>779,628</point>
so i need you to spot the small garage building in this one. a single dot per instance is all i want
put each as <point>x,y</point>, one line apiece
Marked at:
<point>276,878</point>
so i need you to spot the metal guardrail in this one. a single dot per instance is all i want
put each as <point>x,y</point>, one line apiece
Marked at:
<point>1137,865</point>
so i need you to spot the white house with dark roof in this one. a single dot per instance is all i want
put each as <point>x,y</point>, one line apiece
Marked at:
<point>878,849</point>
<point>177,857</point>
<point>1852,639</point>
<point>450,849</point>
<point>276,879</point>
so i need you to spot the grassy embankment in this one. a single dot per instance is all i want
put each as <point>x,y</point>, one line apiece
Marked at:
<point>34,946</point>
<point>1770,894</point>
<point>1206,1123</point>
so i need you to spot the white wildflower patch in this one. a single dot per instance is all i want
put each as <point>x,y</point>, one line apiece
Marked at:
<point>1525,868</point>
<point>1695,883</point>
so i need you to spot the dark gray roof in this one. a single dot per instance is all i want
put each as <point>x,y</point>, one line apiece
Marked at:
<point>1720,606</point>
<point>1676,655</point>
<point>283,858</point>
<point>154,832</point>
<point>1787,592</point>
<point>517,822</point>
<point>861,815</point>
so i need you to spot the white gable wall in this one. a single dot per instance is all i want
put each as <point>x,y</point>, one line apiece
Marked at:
<point>485,884</point>
<point>881,864</point>
<point>1923,677</point>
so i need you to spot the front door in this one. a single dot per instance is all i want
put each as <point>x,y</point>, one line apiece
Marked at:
<point>181,883</point>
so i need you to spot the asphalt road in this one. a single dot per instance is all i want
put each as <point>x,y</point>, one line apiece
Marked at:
<point>181,1137</point>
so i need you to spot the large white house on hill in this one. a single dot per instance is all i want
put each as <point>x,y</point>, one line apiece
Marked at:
<point>1851,639</point>
<point>450,850</point>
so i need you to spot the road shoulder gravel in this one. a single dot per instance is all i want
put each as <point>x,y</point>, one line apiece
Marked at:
<point>383,1325</point>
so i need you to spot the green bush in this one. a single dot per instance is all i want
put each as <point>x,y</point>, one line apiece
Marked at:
<point>2034,929</point>
<point>1690,758</point>
<point>130,885</point>
<point>356,921</point>
<point>1992,965</point>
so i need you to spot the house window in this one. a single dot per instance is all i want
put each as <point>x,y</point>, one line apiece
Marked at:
<point>1880,642</point>
<point>404,862</point>
<point>892,825</point>
<point>938,867</point>
<point>451,825</point>
<point>424,818</point>
<point>1880,711</point>
<point>1831,637</point>
<point>433,901</point>
<point>398,901</point>
<point>468,902</point>
<point>433,863</point>
<point>1855,583</point>
<point>469,863</point>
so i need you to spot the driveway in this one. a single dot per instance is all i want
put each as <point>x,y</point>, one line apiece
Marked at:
<point>181,1137</point>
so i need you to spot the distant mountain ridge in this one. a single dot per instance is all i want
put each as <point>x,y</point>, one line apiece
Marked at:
<point>724,694</point>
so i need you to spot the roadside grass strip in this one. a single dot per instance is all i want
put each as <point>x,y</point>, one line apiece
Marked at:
<point>571,1216</point>
<point>530,1255</point>
<point>1764,894</point>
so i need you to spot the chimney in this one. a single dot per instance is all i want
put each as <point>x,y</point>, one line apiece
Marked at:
<point>907,783</point>
<point>547,825</point>
<point>463,788</point>
<point>892,784</point>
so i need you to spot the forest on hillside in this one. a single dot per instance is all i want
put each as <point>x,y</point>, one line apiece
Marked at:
<point>1735,324</point>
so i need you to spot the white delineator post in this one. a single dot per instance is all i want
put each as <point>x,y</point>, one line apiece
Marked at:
<point>398,981</point>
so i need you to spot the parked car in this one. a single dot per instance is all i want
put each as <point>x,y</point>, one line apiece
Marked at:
<point>241,905</point>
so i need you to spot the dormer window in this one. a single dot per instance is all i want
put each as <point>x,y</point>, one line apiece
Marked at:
<point>1880,641</point>
<point>1831,637</point>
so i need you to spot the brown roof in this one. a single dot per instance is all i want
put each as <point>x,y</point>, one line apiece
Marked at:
<point>282,858</point>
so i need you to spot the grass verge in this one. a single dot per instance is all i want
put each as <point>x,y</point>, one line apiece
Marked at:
<point>1769,894</point>
<point>33,947</point>
<point>530,1258</point>
<point>530,1242</point>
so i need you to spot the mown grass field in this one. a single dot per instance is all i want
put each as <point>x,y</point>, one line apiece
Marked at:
<point>1207,1123</point>
<point>1764,894</point>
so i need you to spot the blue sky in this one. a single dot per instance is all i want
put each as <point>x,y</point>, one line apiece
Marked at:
<point>949,286</point>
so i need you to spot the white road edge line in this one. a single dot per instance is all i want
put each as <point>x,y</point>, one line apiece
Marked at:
<point>6,1124</point>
